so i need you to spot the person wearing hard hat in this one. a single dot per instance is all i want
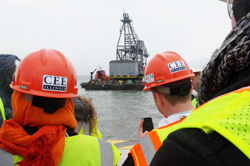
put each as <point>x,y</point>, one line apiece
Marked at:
<point>197,66</point>
<point>168,76</point>
<point>42,129</point>
<point>218,131</point>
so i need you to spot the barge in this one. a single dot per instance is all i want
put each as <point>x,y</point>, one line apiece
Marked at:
<point>127,71</point>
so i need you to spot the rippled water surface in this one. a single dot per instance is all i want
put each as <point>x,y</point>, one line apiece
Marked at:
<point>119,112</point>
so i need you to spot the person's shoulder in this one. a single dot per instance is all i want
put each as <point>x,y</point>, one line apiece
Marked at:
<point>195,139</point>
<point>81,142</point>
<point>80,150</point>
<point>195,147</point>
<point>84,140</point>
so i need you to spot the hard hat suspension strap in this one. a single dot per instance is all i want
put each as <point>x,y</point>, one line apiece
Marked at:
<point>180,90</point>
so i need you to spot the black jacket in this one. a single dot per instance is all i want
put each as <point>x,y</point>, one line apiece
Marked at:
<point>194,147</point>
<point>7,68</point>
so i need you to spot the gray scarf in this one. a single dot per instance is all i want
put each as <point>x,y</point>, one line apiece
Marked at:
<point>233,56</point>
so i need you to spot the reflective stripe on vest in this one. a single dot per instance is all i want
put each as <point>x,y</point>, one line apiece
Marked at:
<point>6,158</point>
<point>228,115</point>
<point>107,157</point>
<point>148,148</point>
<point>2,109</point>
<point>83,128</point>
<point>144,151</point>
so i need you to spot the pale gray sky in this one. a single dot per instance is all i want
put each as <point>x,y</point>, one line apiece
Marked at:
<point>87,31</point>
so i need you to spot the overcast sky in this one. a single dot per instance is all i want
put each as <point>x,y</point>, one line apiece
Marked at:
<point>87,31</point>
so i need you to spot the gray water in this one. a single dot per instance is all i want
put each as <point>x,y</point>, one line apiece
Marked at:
<point>119,112</point>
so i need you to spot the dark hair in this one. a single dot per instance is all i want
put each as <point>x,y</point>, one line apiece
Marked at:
<point>240,9</point>
<point>180,91</point>
<point>179,88</point>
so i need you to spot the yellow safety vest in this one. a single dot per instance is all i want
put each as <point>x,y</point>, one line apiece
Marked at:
<point>79,150</point>
<point>2,109</point>
<point>90,151</point>
<point>228,115</point>
<point>97,133</point>
<point>194,103</point>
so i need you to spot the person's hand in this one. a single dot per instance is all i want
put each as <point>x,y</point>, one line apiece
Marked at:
<point>140,130</point>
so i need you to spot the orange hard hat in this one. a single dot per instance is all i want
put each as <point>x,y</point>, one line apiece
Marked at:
<point>46,73</point>
<point>165,68</point>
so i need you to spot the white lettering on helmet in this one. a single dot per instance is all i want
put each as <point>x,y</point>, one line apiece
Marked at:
<point>54,83</point>
<point>149,78</point>
<point>176,66</point>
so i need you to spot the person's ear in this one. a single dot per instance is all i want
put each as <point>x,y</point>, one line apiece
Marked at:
<point>192,81</point>
<point>159,98</point>
<point>192,78</point>
<point>233,21</point>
